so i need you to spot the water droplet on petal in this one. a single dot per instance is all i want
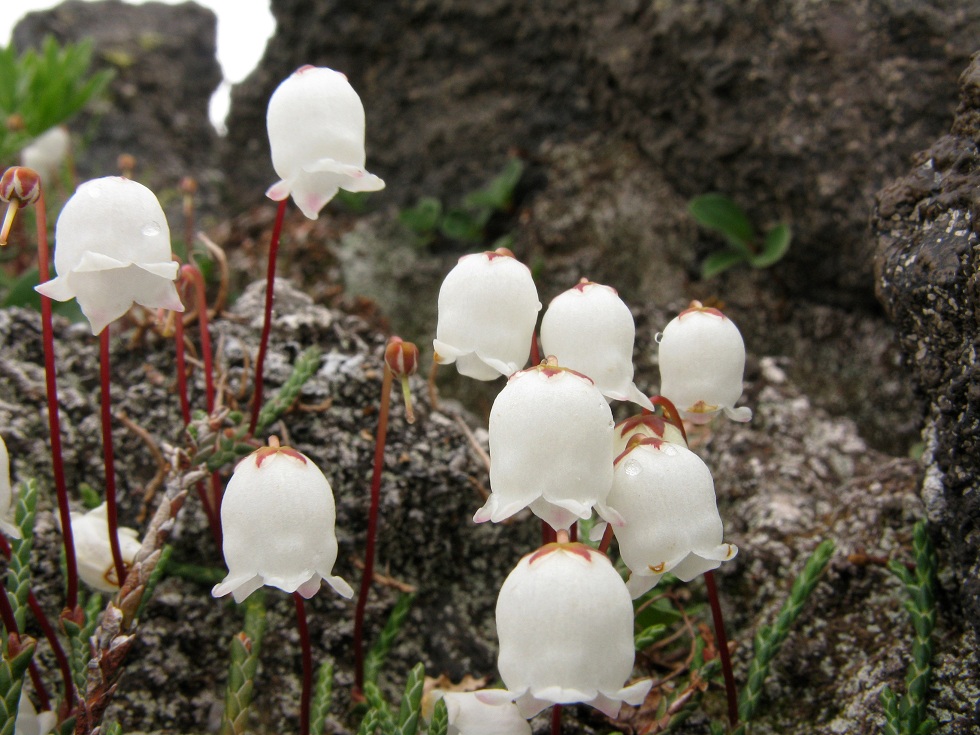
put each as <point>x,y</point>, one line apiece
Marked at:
<point>632,468</point>
<point>150,229</point>
<point>669,450</point>
<point>658,337</point>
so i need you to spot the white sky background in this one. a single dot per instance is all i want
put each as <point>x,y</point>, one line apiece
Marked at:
<point>244,26</point>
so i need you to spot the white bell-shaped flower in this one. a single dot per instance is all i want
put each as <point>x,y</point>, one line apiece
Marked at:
<point>47,152</point>
<point>646,426</point>
<point>565,624</point>
<point>315,122</point>
<point>591,330</point>
<point>702,359</point>
<point>470,715</point>
<point>551,448</point>
<point>7,524</point>
<point>667,498</point>
<point>488,307</point>
<point>112,249</point>
<point>278,518</point>
<point>92,551</point>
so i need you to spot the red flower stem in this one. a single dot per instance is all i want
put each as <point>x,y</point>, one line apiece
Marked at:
<point>59,652</point>
<point>270,282</point>
<point>372,531</point>
<point>556,719</point>
<point>54,422</point>
<point>108,455</point>
<point>726,659</point>
<point>193,274</point>
<point>304,639</point>
<point>607,537</point>
<point>535,350</point>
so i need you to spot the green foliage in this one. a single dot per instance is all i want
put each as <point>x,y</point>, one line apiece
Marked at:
<point>41,89</point>
<point>379,707</point>
<point>907,716</point>
<point>113,728</point>
<point>244,663</point>
<point>649,635</point>
<point>408,713</point>
<point>12,670</point>
<point>79,650</point>
<point>19,567</point>
<point>719,213</point>
<point>322,697</point>
<point>440,719</point>
<point>429,219</point>
<point>376,656</point>
<point>306,366</point>
<point>769,639</point>
<point>156,575</point>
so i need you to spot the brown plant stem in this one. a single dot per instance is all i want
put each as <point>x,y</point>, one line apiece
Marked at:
<point>372,530</point>
<point>112,510</point>
<point>723,652</point>
<point>304,639</point>
<point>270,282</point>
<point>54,422</point>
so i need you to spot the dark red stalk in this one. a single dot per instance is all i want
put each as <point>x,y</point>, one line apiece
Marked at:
<point>372,531</point>
<point>54,422</point>
<point>304,639</point>
<point>270,282</point>
<point>547,533</point>
<point>193,274</point>
<point>607,537</point>
<point>185,406</point>
<point>722,639</point>
<point>112,510</point>
<point>556,719</point>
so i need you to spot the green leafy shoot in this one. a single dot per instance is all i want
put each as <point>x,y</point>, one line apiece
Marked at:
<point>379,652</point>
<point>43,88</point>
<point>440,719</point>
<point>409,712</point>
<point>244,663</point>
<point>720,214</point>
<point>322,697</point>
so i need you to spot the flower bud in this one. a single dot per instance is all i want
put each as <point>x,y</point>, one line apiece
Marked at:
<point>7,524</point>
<point>591,330</point>
<point>112,249</point>
<point>278,519</point>
<point>565,624</point>
<point>19,187</point>
<point>315,122</point>
<point>488,308</point>
<point>702,359</point>
<point>94,554</point>
<point>402,358</point>
<point>666,497</point>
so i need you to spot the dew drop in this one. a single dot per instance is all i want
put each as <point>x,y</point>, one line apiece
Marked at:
<point>669,450</point>
<point>632,468</point>
<point>150,229</point>
<point>658,337</point>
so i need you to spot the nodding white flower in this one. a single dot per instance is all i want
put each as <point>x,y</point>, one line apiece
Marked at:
<point>551,444</point>
<point>112,249</point>
<point>32,722</point>
<point>702,359</point>
<point>47,152</point>
<point>646,426</point>
<point>666,496</point>
<point>488,307</point>
<point>470,715</point>
<point>315,122</point>
<point>278,519</point>
<point>565,624</point>
<point>7,524</point>
<point>591,330</point>
<point>91,534</point>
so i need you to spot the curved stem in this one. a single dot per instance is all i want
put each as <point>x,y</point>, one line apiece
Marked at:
<point>726,658</point>
<point>372,530</point>
<point>304,638</point>
<point>193,274</point>
<point>54,422</point>
<point>112,511</point>
<point>270,282</point>
<point>59,653</point>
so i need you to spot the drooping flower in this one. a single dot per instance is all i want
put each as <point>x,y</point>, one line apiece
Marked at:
<point>470,715</point>
<point>278,518</point>
<point>112,249</point>
<point>7,524</point>
<point>591,330</point>
<point>565,624</point>
<point>91,533</point>
<point>702,359</point>
<point>666,497</point>
<point>488,307</point>
<point>47,152</point>
<point>551,444</point>
<point>32,722</point>
<point>646,426</point>
<point>315,122</point>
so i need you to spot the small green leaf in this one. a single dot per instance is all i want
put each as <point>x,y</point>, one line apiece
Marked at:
<point>720,262</point>
<point>423,218</point>
<point>440,719</point>
<point>719,213</point>
<point>460,224</point>
<point>649,636</point>
<point>775,246</point>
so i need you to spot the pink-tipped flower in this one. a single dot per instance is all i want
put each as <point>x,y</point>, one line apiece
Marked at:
<point>591,330</point>
<point>315,122</point>
<point>565,624</point>
<point>7,524</point>
<point>278,518</point>
<point>702,359</point>
<point>488,307</point>
<point>666,497</point>
<point>551,448</point>
<point>112,249</point>
<point>91,535</point>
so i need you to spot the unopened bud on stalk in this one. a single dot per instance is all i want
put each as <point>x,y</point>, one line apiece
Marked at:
<point>402,358</point>
<point>19,187</point>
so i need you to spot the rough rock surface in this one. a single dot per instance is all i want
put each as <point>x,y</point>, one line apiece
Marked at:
<point>798,110</point>
<point>165,69</point>
<point>927,226</point>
